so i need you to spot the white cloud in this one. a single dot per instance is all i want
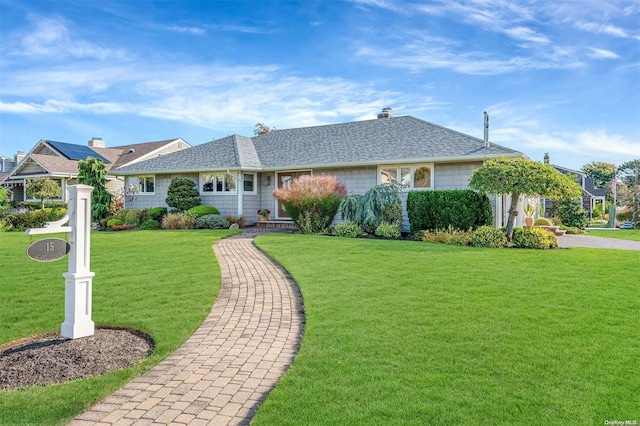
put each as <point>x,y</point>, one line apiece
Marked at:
<point>51,38</point>
<point>602,29</point>
<point>188,30</point>
<point>602,53</point>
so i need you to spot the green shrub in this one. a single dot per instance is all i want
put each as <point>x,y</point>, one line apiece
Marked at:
<point>448,236</point>
<point>22,218</point>
<point>212,221</point>
<point>534,238</point>
<point>375,201</point>
<point>460,209</point>
<point>556,221</point>
<point>351,208</point>
<point>388,230</point>
<point>488,236</point>
<point>121,214</point>
<point>182,194</point>
<point>114,222</point>
<point>392,213</point>
<point>132,217</point>
<point>625,216</point>
<point>570,212</point>
<point>573,230</point>
<point>150,224</point>
<point>178,221</point>
<point>542,221</point>
<point>198,211</point>
<point>157,213</point>
<point>312,201</point>
<point>348,229</point>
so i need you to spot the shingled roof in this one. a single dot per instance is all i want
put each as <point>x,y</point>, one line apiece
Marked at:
<point>379,141</point>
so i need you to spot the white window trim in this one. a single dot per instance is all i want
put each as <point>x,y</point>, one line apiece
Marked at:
<point>412,168</point>
<point>255,183</point>
<point>215,191</point>
<point>139,177</point>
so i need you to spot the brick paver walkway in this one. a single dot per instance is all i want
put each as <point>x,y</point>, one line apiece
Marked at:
<point>226,369</point>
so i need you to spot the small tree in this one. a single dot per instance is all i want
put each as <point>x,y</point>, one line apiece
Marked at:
<point>261,129</point>
<point>570,212</point>
<point>93,172</point>
<point>43,188</point>
<point>521,176</point>
<point>182,194</point>
<point>3,196</point>
<point>629,175</point>
<point>601,172</point>
<point>312,201</point>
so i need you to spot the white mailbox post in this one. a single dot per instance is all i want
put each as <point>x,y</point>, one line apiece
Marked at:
<point>78,279</point>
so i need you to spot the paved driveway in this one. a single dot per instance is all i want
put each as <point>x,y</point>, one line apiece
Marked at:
<point>567,241</point>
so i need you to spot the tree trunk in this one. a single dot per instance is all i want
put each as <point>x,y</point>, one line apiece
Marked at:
<point>513,212</point>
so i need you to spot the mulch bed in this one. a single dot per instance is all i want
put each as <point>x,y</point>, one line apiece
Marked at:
<point>51,358</point>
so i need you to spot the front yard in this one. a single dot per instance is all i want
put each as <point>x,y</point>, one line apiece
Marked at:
<point>163,283</point>
<point>416,333</point>
<point>623,234</point>
<point>397,332</point>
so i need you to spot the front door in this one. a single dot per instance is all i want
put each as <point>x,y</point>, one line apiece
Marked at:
<point>284,180</point>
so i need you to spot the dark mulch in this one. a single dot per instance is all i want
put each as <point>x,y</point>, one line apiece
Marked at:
<point>51,358</point>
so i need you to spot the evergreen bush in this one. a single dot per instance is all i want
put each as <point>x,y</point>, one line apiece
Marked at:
<point>460,209</point>
<point>198,211</point>
<point>132,217</point>
<point>182,194</point>
<point>570,212</point>
<point>156,213</point>
<point>150,224</point>
<point>212,221</point>
<point>374,203</point>
<point>488,236</point>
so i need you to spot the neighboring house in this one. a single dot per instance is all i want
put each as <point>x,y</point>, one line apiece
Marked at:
<point>59,161</point>
<point>590,194</point>
<point>238,174</point>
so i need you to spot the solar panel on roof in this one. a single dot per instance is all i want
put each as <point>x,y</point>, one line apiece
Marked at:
<point>76,152</point>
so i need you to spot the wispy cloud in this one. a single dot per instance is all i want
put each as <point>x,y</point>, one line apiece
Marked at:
<point>602,53</point>
<point>602,29</point>
<point>51,38</point>
<point>188,30</point>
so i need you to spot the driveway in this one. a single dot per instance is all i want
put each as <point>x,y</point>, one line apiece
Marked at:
<point>567,241</point>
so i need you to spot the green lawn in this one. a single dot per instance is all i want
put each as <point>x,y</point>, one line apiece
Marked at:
<point>161,282</point>
<point>623,234</point>
<point>408,333</point>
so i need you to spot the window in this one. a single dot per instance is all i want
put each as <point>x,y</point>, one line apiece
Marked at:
<point>249,182</point>
<point>56,180</point>
<point>141,185</point>
<point>419,176</point>
<point>217,182</point>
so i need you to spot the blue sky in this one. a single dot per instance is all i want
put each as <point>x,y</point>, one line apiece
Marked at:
<point>557,77</point>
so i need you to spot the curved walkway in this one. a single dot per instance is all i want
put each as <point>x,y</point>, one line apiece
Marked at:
<point>567,241</point>
<point>224,371</point>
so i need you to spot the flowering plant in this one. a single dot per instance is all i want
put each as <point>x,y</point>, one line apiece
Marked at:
<point>264,212</point>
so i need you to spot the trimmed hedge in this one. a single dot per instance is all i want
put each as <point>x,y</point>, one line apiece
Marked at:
<point>457,208</point>
<point>198,211</point>
<point>534,238</point>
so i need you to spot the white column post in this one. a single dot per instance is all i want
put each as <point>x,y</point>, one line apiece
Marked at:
<point>78,279</point>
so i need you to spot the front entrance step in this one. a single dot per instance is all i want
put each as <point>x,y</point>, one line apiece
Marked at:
<point>276,224</point>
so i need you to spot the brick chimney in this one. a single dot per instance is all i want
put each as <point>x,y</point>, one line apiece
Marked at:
<point>386,113</point>
<point>97,143</point>
<point>546,158</point>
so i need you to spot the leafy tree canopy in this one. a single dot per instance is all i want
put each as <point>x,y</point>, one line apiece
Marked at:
<point>261,129</point>
<point>43,188</point>
<point>601,172</point>
<point>629,172</point>
<point>521,176</point>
